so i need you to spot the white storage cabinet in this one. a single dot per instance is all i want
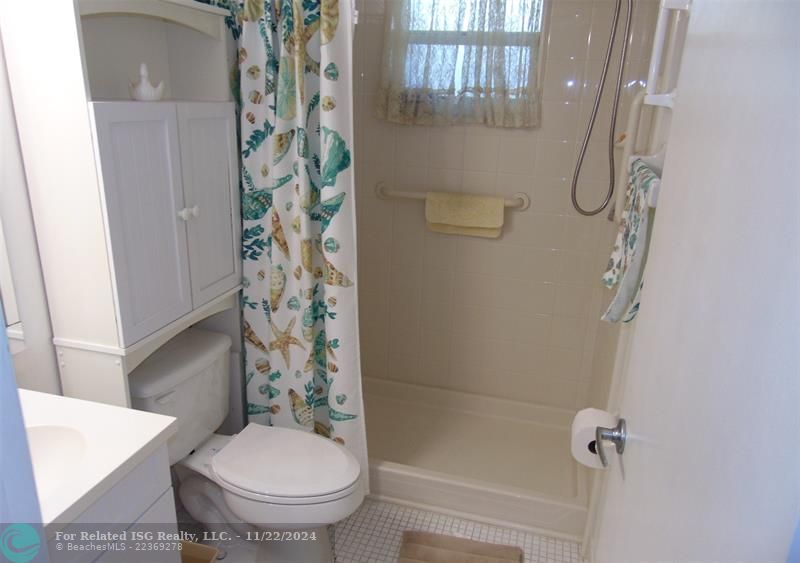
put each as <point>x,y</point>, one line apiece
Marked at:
<point>168,173</point>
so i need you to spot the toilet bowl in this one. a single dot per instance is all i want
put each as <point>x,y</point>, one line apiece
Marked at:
<point>278,487</point>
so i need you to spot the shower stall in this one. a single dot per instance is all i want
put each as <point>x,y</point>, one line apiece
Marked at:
<point>476,354</point>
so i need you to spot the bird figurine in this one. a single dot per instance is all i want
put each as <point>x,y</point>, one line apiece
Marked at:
<point>143,90</point>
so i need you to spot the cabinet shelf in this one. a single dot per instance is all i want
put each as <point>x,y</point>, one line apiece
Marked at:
<point>189,13</point>
<point>138,352</point>
<point>183,42</point>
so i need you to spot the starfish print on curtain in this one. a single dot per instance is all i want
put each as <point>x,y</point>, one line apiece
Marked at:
<point>284,339</point>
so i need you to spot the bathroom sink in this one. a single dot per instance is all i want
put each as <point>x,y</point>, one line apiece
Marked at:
<point>56,454</point>
<point>81,449</point>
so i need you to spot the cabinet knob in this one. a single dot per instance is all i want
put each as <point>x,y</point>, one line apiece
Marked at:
<point>195,211</point>
<point>185,214</point>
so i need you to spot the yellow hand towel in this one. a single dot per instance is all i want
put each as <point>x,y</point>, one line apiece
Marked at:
<point>461,214</point>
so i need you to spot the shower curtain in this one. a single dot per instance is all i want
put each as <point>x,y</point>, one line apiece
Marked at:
<point>298,211</point>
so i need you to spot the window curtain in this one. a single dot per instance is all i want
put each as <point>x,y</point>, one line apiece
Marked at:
<point>453,62</point>
<point>294,83</point>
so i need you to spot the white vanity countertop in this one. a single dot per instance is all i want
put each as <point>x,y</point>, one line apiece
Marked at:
<point>80,449</point>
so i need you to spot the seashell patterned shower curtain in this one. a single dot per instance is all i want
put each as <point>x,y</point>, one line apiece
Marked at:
<point>298,212</point>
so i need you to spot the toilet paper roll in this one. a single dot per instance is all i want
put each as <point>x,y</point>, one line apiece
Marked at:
<point>583,432</point>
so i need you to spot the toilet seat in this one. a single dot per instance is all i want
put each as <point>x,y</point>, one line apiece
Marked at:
<point>269,499</point>
<point>285,466</point>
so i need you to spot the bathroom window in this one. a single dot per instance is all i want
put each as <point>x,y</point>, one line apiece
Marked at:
<point>454,62</point>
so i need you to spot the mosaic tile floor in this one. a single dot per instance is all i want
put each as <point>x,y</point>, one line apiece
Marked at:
<point>373,535</point>
<point>374,532</point>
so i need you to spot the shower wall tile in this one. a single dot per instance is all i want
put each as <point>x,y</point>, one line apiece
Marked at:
<point>446,149</point>
<point>549,197</point>
<point>563,80</point>
<point>554,159</point>
<point>514,155</point>
<point>559,121</point>
<point>512,183</point>
<point>537,230</point>
<point>576,11</point>
<point>479,182</point>
<point>481,153</point>
<point>599,34</point>
<point>517,317</point>
<point>567,40</point>
<point>413,146</point>
<point>437,285</point>
<point>572,300</point>
<point>446,179</point>
<point>568,332</point>
<point>436,316</point>
<point>645,14</point>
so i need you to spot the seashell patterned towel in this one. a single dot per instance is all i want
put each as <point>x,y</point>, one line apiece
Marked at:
<point>626,265</point>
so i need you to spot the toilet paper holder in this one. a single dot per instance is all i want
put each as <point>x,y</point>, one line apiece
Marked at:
<point>618,435</point>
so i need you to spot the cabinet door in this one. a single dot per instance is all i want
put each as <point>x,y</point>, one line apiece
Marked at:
<point>139,159</point>
<point>159,518</point>
<point>211,191</point>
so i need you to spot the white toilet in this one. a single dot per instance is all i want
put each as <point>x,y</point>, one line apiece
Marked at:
<point>260,482</point>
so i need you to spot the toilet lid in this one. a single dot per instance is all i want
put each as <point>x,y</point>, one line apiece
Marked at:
<point>282,462</point>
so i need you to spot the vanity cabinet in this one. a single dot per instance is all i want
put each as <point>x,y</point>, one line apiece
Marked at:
<point>143,501</point>
<point>168,175</point>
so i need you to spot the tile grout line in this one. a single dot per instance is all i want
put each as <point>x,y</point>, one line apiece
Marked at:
<point>374,533</point>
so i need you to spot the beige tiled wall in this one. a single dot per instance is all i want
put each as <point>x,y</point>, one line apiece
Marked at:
<point>516,317</point>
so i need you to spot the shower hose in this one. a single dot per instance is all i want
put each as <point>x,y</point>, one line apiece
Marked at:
<point>595,107</point>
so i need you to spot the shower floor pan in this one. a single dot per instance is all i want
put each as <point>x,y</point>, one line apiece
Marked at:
<point>491,459</point>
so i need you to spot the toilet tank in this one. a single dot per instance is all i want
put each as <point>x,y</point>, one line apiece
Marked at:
<point>186,378</point>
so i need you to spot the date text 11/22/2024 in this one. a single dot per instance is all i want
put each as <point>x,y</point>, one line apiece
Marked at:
<point>206,536</point>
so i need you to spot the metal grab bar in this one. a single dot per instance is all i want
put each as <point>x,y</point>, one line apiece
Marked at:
<point>520,201</point>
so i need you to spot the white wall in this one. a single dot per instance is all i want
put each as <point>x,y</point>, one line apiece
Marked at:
<point>711,390</point>
<point>34,358</point>
<point>513,318</point>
